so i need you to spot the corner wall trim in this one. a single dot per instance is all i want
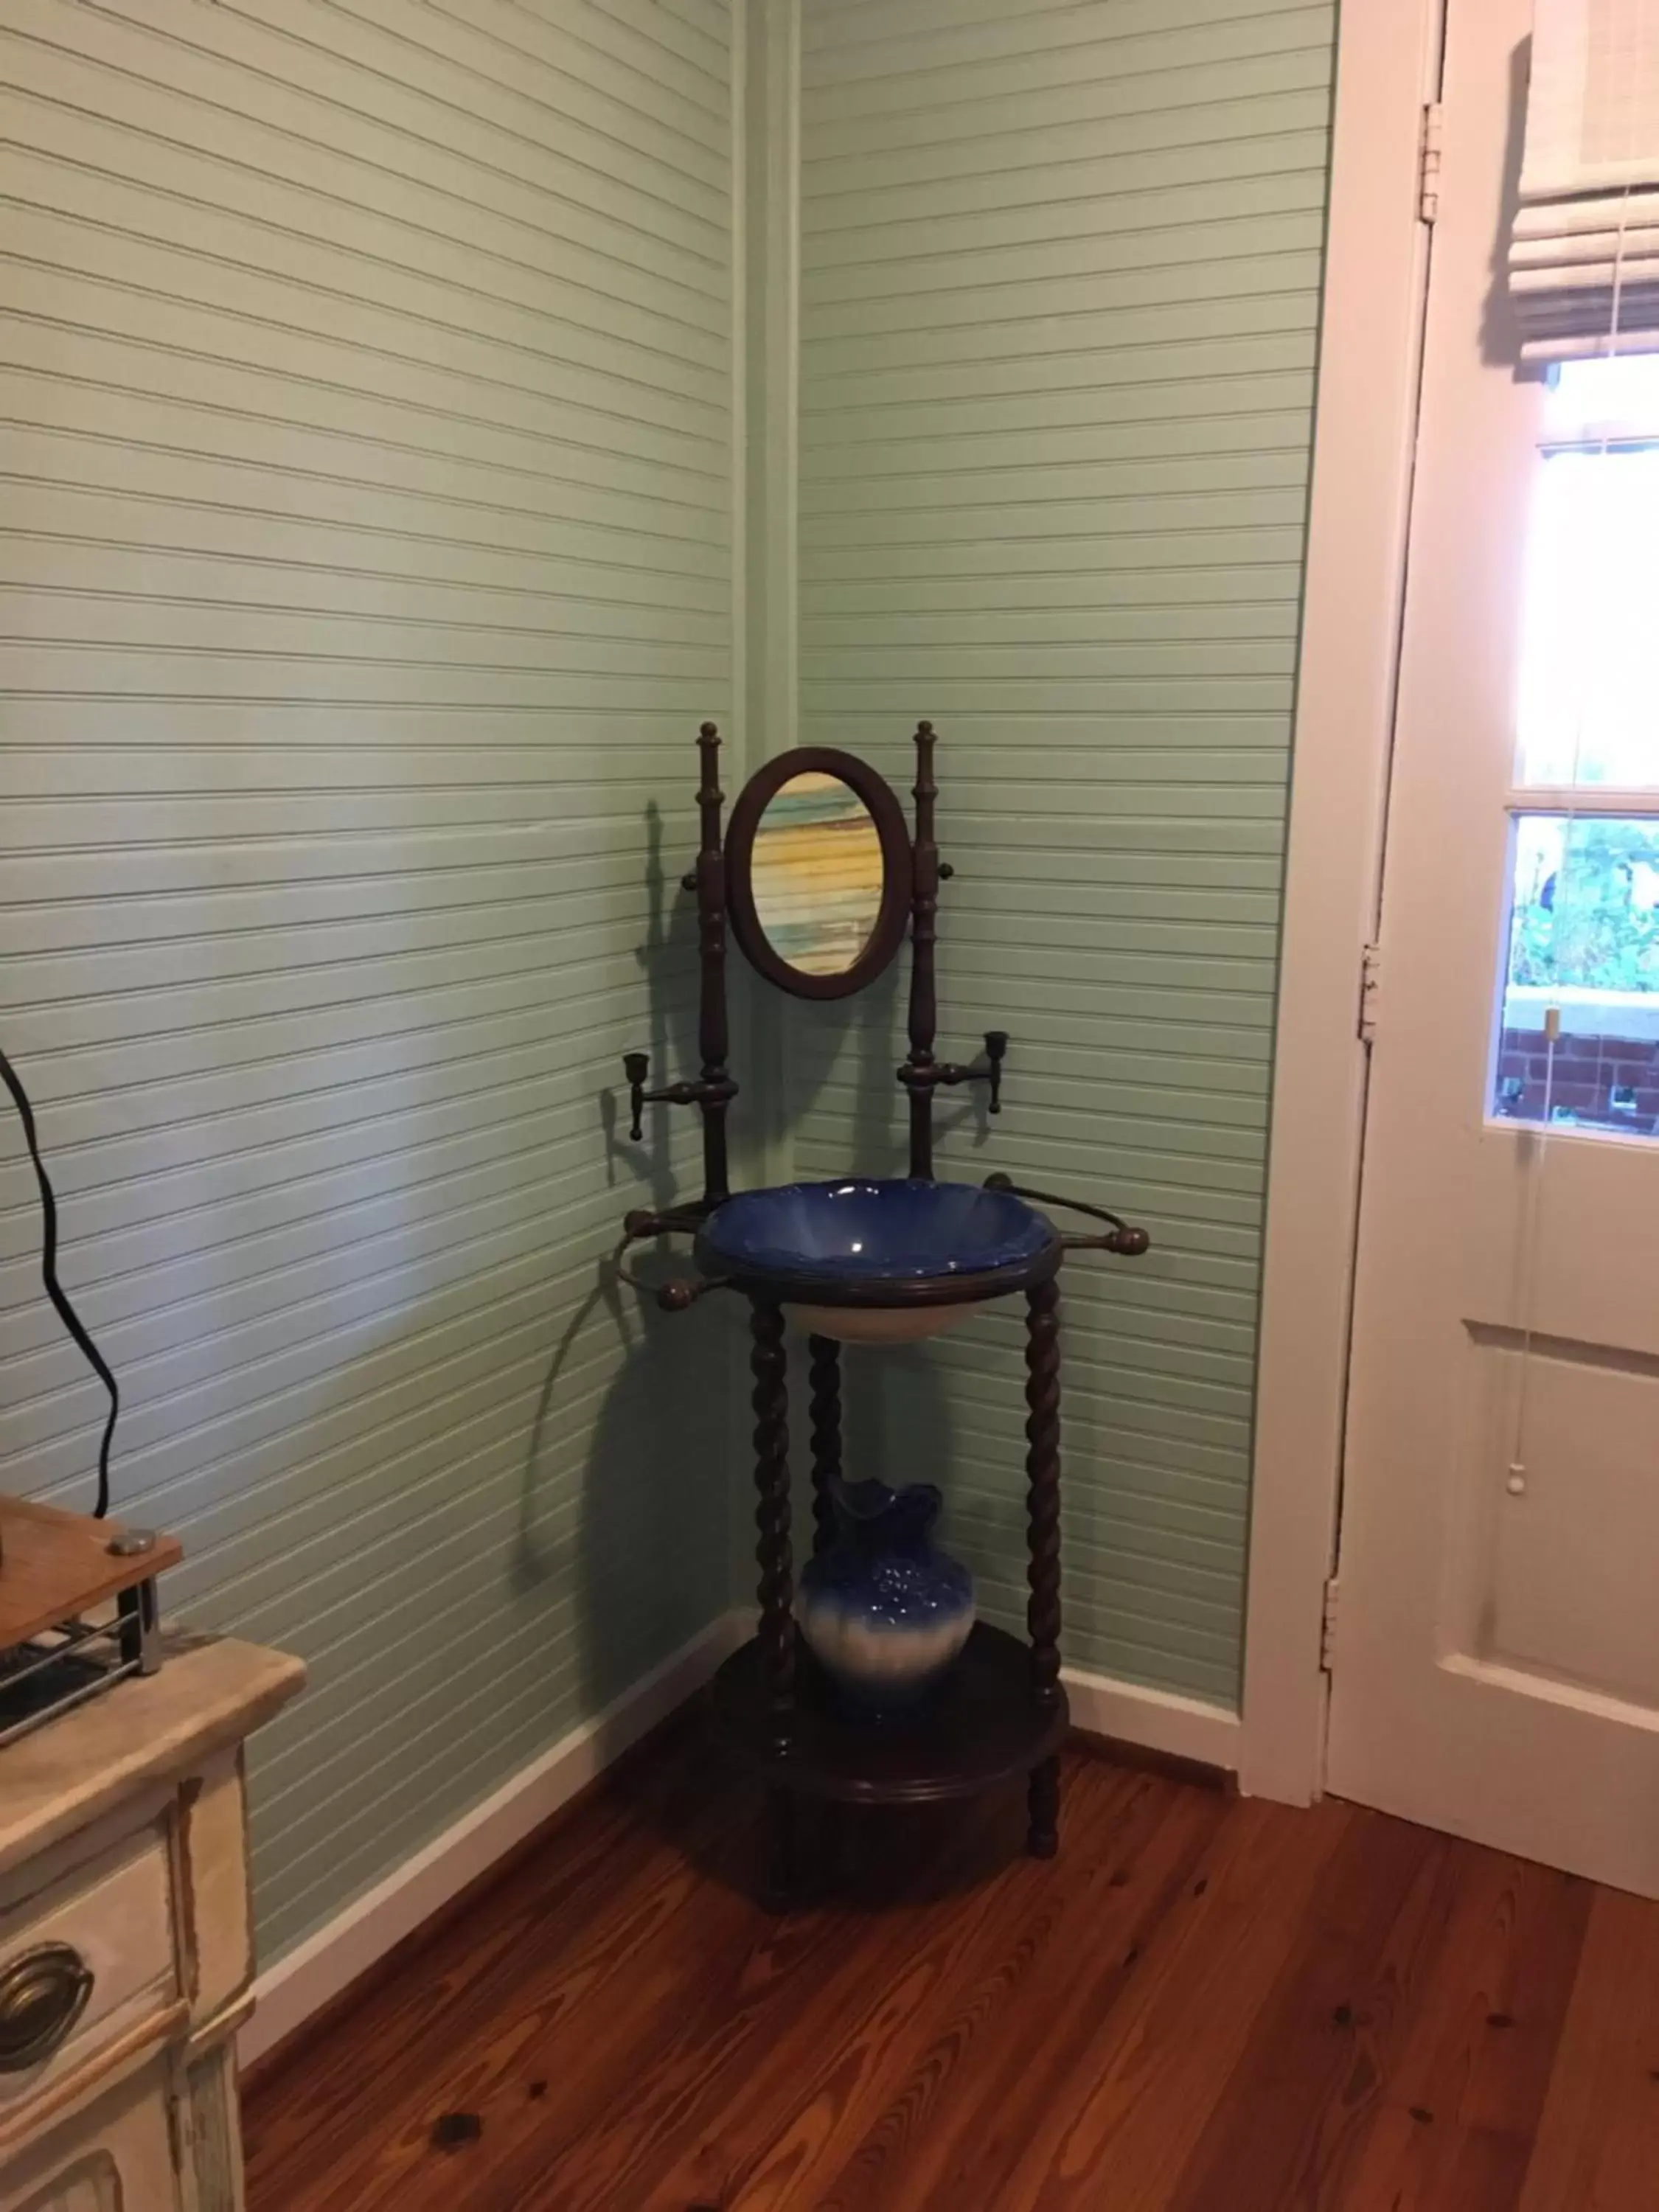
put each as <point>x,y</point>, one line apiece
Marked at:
<point>316,1971</point>
<point>1184,1728</point>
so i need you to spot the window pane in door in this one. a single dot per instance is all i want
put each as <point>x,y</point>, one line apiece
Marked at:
<point>1588,703</point>
<point>1582,961</point>
<point>1595,402</point>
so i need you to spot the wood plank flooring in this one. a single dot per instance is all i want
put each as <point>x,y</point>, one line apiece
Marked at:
<point>1203,2005</point>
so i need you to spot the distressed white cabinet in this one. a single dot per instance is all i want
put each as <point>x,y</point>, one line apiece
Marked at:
<point>116,2156</point>
<point>126,1940</point>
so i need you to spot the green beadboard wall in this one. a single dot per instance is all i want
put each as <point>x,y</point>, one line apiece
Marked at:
<point>1059,286</point>
<point>370,445</point>
<point>366,565</point>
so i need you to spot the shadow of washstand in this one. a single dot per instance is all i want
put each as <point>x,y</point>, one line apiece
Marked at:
<point>636,1546</point>
<point>647,1551</point>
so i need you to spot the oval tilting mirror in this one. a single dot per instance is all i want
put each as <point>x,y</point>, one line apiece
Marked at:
<point>819,873</point>
<point>816,874</point>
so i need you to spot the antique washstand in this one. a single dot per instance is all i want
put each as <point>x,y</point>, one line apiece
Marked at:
<point>818,875</point>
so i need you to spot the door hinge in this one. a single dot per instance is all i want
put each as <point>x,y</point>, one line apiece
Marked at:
<point>1370,992</point>
<point>1328,1628</point>
<point>1428,169</point>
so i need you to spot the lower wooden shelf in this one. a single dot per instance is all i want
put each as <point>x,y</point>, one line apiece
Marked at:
<point>982,1728</point>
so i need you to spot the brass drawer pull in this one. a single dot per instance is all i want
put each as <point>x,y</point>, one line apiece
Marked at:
<point>42,1994</point>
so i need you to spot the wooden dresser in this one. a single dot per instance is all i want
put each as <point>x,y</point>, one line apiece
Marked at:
<point>126,1942</point>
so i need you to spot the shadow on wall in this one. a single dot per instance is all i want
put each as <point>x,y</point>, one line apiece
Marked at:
<point>642,1545</point>
<point>1500,335</point>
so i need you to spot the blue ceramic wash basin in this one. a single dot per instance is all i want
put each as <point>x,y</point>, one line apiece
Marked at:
<point>872,1242</point>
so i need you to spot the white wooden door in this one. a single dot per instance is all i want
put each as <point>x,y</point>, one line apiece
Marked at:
<point>1495,1644</point>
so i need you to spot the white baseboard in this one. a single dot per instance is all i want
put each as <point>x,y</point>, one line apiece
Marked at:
<point>317,1970</point>
<point>1155,1720</point>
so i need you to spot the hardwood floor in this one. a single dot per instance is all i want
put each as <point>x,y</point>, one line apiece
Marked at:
<point>1203,2005</point>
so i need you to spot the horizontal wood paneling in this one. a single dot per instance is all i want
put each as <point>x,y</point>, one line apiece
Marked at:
<point>366,566</point>
<point>1060,292</point>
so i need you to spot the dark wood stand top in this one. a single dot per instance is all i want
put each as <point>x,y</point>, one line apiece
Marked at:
<point>982,1727</point>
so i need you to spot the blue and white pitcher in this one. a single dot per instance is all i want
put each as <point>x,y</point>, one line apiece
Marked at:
<point>884,1612</point>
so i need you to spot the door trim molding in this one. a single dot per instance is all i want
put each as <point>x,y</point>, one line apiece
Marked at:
<point>1370,332</point>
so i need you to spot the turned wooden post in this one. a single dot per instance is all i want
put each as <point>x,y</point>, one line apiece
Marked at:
<point>708,878</point>
<point>768,1364</point>
<point>826,1437</point>
<point>1043,1532</point>
<point>924,912</point>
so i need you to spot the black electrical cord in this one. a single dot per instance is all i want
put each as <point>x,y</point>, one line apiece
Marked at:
<point>55,1290</point>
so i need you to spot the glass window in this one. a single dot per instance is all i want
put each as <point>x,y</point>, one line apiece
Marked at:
<point>1578,1042</point>
<point>1589,701</point>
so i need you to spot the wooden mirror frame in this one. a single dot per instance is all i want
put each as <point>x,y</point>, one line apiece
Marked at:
<point>882,806</point>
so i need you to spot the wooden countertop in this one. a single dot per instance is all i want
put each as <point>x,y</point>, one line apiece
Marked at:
<point>210,1692</point>
<point>54,1563</point>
